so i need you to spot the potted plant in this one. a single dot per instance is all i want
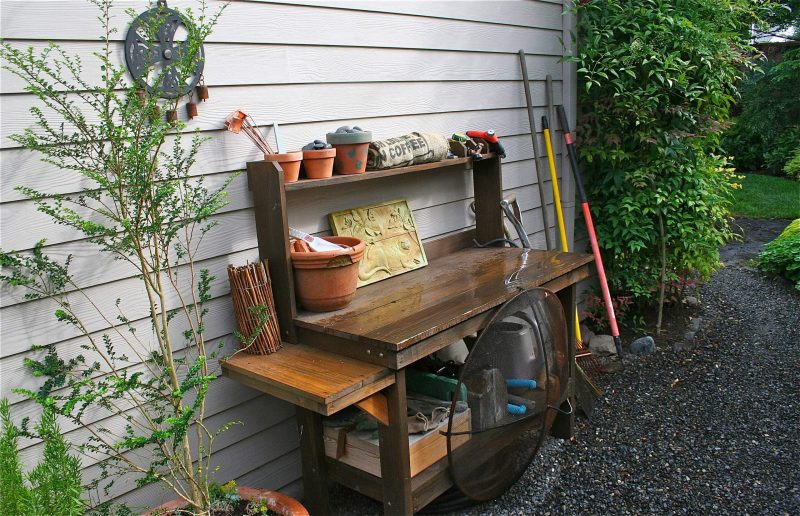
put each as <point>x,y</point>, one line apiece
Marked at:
<point>318,159</point>
<point>53,486</point>
<point>138,204</point>
<point>352,148</point>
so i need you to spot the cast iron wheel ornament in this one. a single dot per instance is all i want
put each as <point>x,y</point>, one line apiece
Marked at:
<point>513,382</point>
<point>153,55</point>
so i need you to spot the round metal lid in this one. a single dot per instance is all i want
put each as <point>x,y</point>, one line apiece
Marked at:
<point>514,379</point>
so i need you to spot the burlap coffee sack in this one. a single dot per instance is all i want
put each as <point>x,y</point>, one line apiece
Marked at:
<point>409,149</point>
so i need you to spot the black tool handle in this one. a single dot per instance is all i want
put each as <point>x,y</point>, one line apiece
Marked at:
<point>573,157</point>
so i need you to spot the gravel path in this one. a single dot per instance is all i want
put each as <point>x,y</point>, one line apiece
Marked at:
<point>715,428</point>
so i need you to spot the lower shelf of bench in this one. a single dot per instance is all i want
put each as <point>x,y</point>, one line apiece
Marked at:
<point>361,448</point>
<point>309,377</point>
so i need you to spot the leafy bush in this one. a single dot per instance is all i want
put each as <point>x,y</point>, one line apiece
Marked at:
<point>782,255</point>
<point>13,494</point>
<point>792,168</point>
<point>55,483</point>
<point>658,81</point>
<point>766,133</point>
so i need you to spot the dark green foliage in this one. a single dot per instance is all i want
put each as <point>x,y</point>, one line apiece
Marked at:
<point>767,132</point>
<point>782,255</point>
<point>657,81</point>
<point>56,480</point>
<point>13,494</point>
<point>55,483</point>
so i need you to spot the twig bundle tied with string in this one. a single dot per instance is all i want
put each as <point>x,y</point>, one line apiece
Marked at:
<point>254,308</point>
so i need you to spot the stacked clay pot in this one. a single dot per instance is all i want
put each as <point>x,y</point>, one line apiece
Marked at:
<point>352,145</point>
<point>318,158</point>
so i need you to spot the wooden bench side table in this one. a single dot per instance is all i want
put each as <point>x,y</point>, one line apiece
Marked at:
<point>392,324</point>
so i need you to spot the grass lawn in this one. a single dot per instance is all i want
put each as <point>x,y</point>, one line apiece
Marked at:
<point>767,197</point>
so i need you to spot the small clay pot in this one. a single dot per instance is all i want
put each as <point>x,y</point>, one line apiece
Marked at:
<point>327,280</point>
<point>289,162</point>
<point>318,163</point>
<point>351,151</point>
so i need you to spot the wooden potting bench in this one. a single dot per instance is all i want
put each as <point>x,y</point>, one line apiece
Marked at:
<point>358,355</point>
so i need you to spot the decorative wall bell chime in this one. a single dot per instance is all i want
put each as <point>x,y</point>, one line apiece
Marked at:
<point>202,90</point>
<point>156,59</point>
<point>191,108</point>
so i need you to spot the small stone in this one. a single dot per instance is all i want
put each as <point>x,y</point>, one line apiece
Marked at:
<point>643,345</point>
<point>695,324</point>
<point>692,301</point>
<point>344,129</point>
<point>603,345</point>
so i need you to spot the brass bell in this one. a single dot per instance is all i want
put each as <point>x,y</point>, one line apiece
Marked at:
<point>172,115</point>
<point>202,92</point>
<point>191,110</point>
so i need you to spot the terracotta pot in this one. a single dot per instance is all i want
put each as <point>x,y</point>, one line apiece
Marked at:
<point>318,163</point>
<point>327,280</point>
<point>290,163</point>
<point>351,151</point>
<point>278,502</point>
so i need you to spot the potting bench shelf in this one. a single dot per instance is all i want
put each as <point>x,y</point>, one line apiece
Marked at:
<point>389,326</point>
<point>374,174</point>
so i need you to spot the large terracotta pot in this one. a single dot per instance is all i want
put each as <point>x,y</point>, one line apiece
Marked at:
<point>327,280</point>
<point>318,163</point>
<point>290,163</point>
<point>278,502</point>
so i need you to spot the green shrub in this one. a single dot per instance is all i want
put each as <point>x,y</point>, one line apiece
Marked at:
<point>792,168</point>
<point>658,80</point>
<point>56,480</point>
<point>766,133</point>
<point>13,494</point>
<point>782,255</point>
<point>54,484</point>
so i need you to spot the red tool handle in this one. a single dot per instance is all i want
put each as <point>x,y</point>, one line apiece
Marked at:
<point>587,217</point>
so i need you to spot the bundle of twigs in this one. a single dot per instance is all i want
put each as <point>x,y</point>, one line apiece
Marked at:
<point>239,121</point>
<point>254,308</point>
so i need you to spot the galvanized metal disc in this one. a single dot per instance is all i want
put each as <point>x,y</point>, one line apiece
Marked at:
<point>152,54</point>
<point>525,342</point>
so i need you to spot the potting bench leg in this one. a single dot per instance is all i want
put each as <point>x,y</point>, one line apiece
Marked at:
<point>395,458</point>
<point>564,424</point>
<point>315,476</point>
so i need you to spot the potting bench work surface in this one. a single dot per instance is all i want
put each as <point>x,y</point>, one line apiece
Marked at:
<point>399,313</point>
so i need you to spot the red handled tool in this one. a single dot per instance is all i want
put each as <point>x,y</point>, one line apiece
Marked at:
<point>587,217</point>
<point>492,139</point>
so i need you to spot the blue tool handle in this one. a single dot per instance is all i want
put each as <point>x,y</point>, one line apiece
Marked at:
<point>521,384</point>
<point>515,409</point>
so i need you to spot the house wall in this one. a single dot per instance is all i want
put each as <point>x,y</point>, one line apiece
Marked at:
<point>391,67</point>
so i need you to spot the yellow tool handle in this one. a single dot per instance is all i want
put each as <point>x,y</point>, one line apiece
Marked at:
<point>559,214</point>
<point>556,194</point>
